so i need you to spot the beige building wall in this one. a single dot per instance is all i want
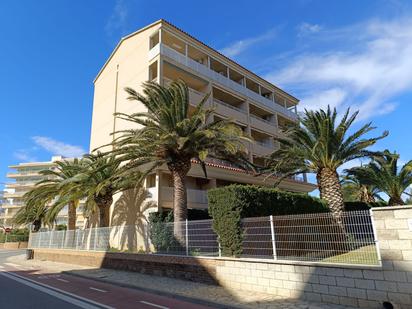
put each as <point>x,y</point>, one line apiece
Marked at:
<point>162,52</point>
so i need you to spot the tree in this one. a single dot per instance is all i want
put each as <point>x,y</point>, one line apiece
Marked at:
<point>321,144</point>
<point>169,133</point>
<point>353,190</point>
<point>383,173</point>
<point>99,178</point>
<point>35,208</point>
<point>59,190</point>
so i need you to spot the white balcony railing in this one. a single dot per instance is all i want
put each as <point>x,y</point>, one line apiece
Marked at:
<point>221,79</point>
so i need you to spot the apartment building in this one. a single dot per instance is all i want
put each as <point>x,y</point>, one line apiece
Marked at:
<point>161,52</point>
<point>23,178</point>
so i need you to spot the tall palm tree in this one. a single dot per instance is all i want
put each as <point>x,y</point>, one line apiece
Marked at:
<point>321,144</point>
<point>169,134</point>
<point>354,190</point>
<point>60,190</point>
<point>383,172</point>
<point>98,180</point>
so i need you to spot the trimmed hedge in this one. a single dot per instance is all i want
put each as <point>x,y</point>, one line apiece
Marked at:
<point>228,205</point>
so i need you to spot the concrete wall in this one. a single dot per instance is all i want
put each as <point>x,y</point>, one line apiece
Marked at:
<point>363,286</point>
<point>14,245</point>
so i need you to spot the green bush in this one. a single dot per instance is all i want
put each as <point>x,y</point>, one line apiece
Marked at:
<point>228,205</point>
<point>161,235</point>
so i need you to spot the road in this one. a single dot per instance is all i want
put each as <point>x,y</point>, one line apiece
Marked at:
<point>24,287</point>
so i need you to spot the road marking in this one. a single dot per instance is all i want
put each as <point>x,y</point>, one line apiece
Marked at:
<point>62,280</point>
<point>96,289</point>
<point>79,301</point>
<point>151,304</point>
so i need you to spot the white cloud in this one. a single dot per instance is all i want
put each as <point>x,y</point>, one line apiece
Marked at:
<point>372,66</point>
<point>118,18</point>
<point>58,148</point>
<point>24,155</point>
<point>240,46</point>
<point>307,28</point>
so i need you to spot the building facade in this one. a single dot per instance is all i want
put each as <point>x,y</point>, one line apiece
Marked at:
<point>162,53</point>
<point>23,178</point>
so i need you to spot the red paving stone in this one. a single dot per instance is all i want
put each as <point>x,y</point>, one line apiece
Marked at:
<point>115,296</point>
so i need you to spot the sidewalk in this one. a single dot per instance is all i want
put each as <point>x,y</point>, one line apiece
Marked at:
<point>178,288</point>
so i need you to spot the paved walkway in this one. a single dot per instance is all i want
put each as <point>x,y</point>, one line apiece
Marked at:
<point>169,286</point>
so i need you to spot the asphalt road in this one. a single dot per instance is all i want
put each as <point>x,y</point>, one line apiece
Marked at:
<point>26,287</point>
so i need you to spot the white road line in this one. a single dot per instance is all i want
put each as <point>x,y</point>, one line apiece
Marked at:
<point>96,289</point>
<point>151,304</point>
<point>62,280</point>
<point>79,301</point>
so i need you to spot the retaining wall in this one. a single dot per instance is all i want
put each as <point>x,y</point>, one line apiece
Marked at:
<point>363,286</point>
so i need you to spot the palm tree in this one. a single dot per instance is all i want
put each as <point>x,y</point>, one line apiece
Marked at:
<point>321,144</point>
<point>169,134</point>
<point>383,173</point>
<point>98,180</point>
<point>58,188</point>
<point>35,209</point>
<point>353,190</point>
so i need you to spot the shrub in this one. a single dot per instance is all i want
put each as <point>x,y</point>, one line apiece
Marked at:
<point>161,234</point>
<point>228,205</point>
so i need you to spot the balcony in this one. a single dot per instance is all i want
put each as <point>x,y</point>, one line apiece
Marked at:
<point>262,149</point>
<point>262,124</point>
<point>222,79</point>
<point>195,198</point>
<point>229,111</point>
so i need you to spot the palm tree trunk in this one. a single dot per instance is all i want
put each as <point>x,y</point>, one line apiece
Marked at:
<point>331,191</point>
<point>395,200</point>
<point>179,172</point>
<point>71,216</point>
<point>104,203</point>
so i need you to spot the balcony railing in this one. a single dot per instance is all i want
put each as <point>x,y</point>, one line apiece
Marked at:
<point>264,120</point>
<point>221,79</point>
<point>230,106</point>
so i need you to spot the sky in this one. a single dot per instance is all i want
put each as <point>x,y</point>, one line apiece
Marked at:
<point>355,54</point>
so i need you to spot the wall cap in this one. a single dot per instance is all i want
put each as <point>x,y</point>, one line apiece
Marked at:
<point>391,208</point>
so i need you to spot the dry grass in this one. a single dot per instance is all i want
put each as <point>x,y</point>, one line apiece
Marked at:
<point>366,255</point>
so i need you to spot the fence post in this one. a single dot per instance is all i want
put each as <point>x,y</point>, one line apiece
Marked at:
<point>50,238</point>
<point>272,230</point>
<point>187,239</point>
<point>375,237</point>
<point>95,238</point>
<point>63,239</point>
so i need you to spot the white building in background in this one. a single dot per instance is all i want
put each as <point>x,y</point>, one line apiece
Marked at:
<point>23,178</point>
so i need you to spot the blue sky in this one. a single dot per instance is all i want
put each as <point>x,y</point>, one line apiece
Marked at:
<point>342,53</point>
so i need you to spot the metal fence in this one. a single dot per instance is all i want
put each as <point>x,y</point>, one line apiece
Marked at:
<point>307,237</point>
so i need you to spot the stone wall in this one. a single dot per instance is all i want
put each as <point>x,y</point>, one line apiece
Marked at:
<point>14,245</point>
<point>362,286</point>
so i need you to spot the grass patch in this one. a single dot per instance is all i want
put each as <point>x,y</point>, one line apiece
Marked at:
<point>365,255</point>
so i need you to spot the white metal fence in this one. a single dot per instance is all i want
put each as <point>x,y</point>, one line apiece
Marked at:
<point>308,237</point>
